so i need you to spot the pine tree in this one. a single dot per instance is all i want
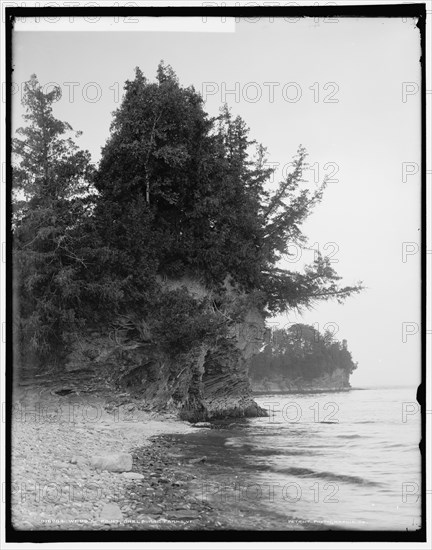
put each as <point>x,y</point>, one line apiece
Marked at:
<point>177,192</point>
<point>50,183</point>
<point>198,185</point>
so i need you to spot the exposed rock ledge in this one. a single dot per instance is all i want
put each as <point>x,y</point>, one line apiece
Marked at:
<point>204,383</point>
<point>338,380</point>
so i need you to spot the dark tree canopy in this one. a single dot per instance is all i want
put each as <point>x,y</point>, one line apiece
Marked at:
<point>177,192</point>
<point>50,181</point>
<point>301,352</point>
<point>202,182</point>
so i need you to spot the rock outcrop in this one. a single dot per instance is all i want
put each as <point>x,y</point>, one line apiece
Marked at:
<point>208,381</point>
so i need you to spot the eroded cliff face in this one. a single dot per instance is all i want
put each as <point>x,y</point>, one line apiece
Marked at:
<point>208,381</point>
<point>338,380</point>
<point>225,382</point>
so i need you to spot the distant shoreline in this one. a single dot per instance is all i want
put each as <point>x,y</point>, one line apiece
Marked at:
<point>342,390</point>
<point>291,392</point>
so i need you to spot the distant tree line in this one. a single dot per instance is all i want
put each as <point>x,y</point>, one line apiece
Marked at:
<point>176,192</point>
<point>301,353</point>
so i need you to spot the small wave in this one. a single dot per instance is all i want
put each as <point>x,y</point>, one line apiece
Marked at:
<point>327,422</point>
<point>306,472</point>
<point>277,452</point>
<point>396,445</point>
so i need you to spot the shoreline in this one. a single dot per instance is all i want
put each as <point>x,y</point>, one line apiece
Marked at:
<point>302,392</point>
<point>56,487</point>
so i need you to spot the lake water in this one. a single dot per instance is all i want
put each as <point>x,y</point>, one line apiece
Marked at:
<point>345,460</point>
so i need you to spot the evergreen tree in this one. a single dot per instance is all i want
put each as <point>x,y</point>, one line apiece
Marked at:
<point>50,184</point>
<point>177,192</point>
<point>300,352</point>
<point>197,188</point>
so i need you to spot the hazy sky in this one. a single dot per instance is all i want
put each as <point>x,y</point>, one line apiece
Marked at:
<point>346,90</point>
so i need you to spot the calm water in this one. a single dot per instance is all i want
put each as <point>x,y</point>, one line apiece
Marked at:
<point>336,460</point>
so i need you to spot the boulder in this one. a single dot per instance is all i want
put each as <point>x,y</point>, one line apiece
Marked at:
<point>111,513</point>
<point>114,462</point>
<point>198,460</point>
<point>132,475</point>
<point>78,460</point>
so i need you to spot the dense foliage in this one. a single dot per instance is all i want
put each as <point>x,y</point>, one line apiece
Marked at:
<point>300,352</point>
<point>176,193</point>
<point>50,181</point>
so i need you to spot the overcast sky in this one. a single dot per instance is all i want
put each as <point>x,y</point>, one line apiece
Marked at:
<point>345,89</point>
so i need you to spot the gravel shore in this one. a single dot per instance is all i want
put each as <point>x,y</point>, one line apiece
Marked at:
<point>54,485</point>
<point>58,485</point>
